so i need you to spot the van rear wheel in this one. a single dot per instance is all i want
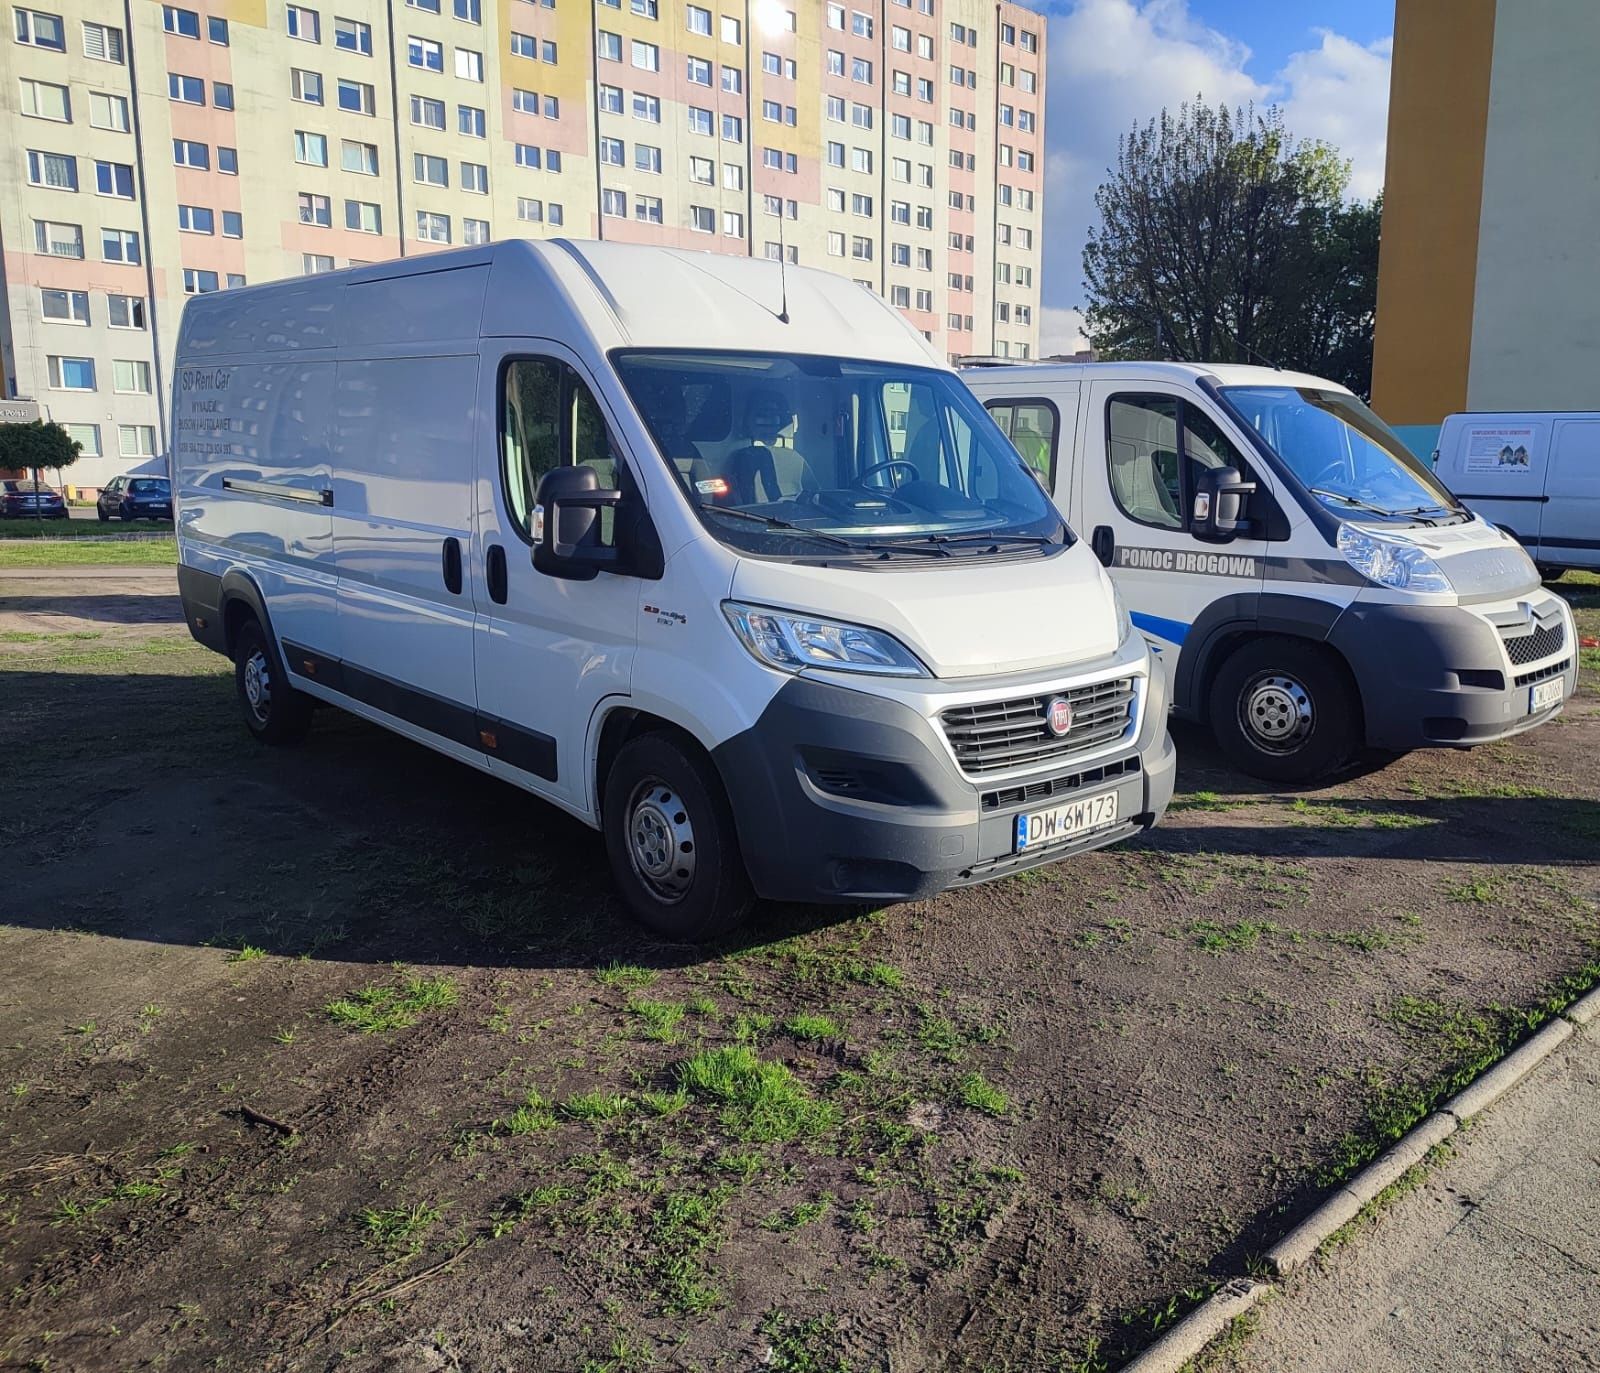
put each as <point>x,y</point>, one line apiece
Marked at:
<point>1285,710</point>
<point>671,840</point>
<point>273,710</point>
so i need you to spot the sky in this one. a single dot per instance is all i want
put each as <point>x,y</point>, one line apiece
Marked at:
<point>1116,62</point>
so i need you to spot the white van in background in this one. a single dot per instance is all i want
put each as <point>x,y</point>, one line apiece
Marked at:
<point>1535,474</point>
<point>1316,586</point>
<point>721,560</point>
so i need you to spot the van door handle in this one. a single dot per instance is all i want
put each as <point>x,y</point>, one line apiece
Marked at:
<point>450,557</point>
<point>1104,543</point>
<point>495,573</point>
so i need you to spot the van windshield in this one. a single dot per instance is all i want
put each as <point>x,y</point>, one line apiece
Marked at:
<point>1343,453</point>
<point>811,456</point>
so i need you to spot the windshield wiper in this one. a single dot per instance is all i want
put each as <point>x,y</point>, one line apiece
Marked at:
<point>995,540</point>
<point>773,522</point>
<point>1354,501</point>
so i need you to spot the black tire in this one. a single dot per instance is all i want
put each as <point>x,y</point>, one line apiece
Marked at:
<point>127,515</point>
<point>671,840</point>
<point>1552,574</point>
<point>1285,710</point>
<point>273,710</point>
<point>101,515</point>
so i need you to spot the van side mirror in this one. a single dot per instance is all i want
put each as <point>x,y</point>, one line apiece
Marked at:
<point>566,525</point>
<point>1219,504</point>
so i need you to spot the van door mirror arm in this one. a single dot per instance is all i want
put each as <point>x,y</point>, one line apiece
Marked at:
<point>560,547</point>
<point>1220,497</point>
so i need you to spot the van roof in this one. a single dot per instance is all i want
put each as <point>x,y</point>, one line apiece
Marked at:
<point>1225,373</point>
<point>619,295</point>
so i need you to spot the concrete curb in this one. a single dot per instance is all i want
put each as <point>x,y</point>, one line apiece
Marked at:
<point>1585,1010</point>
<point>1189,1337</point>
<point>1509,1071</point>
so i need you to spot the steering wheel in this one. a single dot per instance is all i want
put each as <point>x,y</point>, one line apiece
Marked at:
<point>1334,469</point>
<point>887,465</point>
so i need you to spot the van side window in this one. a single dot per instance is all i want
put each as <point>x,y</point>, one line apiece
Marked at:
<point>1142,450</point>
<point>1204,445</point>
<point>1031,426</point>
<point>550,419</point>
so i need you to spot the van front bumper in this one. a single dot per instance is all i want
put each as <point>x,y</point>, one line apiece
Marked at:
<point>1441,676</point>
<point>843,796</point>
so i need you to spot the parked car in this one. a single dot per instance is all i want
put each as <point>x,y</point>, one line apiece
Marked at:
<point>724,561</point>
<point>1315,587</point>
<point>1535,474</point>
<point>135,498</point>
<point>21,497</point>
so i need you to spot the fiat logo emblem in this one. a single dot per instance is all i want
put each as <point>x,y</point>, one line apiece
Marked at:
<point>1058,716</point>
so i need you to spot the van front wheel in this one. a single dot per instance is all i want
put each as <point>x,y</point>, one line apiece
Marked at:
<point>1285,710</point>
<point>671,840</point>
<point>273,710</point>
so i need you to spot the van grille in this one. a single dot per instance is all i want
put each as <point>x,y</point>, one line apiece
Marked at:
<point>995,736</point>
<point>1545,640</point>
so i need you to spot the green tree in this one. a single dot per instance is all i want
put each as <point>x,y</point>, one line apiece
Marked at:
<point>37,445</point>
<point>1222,239</point>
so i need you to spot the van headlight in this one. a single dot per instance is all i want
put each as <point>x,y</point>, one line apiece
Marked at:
<point>1388,562</point>
<point>789,642</point>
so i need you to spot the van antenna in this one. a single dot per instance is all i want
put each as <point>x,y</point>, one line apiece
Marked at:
<point>1256,353</point>
<point>783,270</point>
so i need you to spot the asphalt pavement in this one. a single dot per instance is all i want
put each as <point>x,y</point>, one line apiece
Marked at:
<point>1492,1265</point>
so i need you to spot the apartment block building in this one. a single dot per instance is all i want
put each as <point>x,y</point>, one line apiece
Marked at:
<point>154,151</point>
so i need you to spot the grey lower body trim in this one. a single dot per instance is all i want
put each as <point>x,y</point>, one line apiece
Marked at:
<point>840,796</point>
<point>1435,676</point>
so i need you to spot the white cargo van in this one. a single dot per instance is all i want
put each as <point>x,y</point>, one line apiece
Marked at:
<point>1536,475</point>
<point>727,565</point>
<point>1318,588</point>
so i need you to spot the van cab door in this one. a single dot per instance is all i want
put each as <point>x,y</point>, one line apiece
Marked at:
<point>1138,487</point>
<point>1569,533</point>
<point>548,651</point>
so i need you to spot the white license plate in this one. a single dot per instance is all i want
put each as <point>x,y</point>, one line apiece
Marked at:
<point>1040,828</point>
<point>1543,695</point>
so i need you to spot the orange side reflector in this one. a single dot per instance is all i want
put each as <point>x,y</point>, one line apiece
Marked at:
<point>487,739</point>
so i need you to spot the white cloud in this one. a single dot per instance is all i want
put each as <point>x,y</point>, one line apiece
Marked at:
<point>1114,63</point>
<point>1339,92</point>
<point>1061,331</point>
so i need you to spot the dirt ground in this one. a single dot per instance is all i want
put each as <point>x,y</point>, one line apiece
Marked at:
<point>344,1057</point>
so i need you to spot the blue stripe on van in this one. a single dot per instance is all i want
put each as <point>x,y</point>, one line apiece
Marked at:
<point>1173,631</point>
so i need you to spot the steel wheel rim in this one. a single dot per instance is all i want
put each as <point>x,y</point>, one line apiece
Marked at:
<point>258,685</point>
<point>1276,713</point>
<point>660,839</point>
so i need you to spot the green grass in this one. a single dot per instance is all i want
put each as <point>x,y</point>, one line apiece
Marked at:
<point>381,1006</point>
<point>1235,938</point>
<point>881,975</point>
<point>664,1103</point>
<point>762,1101</point>
<point>625,975</point>
<point>535,1114</point>
<point>250,953</point>
<point>799,1216</point>
<point>596,1105</point>
<point>115,530</point>
<point>976,1091</point>
<point>660,1018</point>
<point>812,1028</point>
<point>398,1227</point>
<point>79,553</point>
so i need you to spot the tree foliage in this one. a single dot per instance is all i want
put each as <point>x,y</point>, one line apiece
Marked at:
<point>29,447</point>
<point>1223,240</point>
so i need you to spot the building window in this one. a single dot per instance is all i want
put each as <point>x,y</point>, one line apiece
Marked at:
<point>647,57</point>
<point>731,30</point>
<point>114,179</point>
<point>698,71</point>
<point>232,224</point>
<point>469,11</point>
<point>304,24</point>
<point>469,64</point>
<point>475,178</point>
<point>732,128</point>
<point>361,158</point>
<point>610,100</point>
<point>702,170</point>
<point>430,171</point>
<point>648,108</point>
<point>196,219</point>
<point>310,148</point>
<point>530,211</point>
<point>86,436</point>
<point>646,9</point>
<point>474,231</point>
<point>108,112</point>
<point>139,440</point>
<point>432,228</point>
<point>424,54</point>
<point>101,42</point>
<point>187,90</point>
<point>315,210</point>
<point>614,203</point>
<point>222,95</point>
<point>528,156</point>
<point>353,36</point>
<point>40,30</point>
<point>130,377</point>
<point>71,374</point>
<point>698,20</point>
<point>64,307</point>
<point>183,23</point>
<point>428,114</point>
<point>305,86</point>
<point>609,46</point>
<point>45,100</point>
<point>732,224</point>
<point>357,97</point>
<point>58,240</point>
<point>647,158</point>
<point>314,264</point>
<point>217,31</point>
<point>120,245</point>
<point>702,219</point>
<point>647,209</point>
<point>470,121</point>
